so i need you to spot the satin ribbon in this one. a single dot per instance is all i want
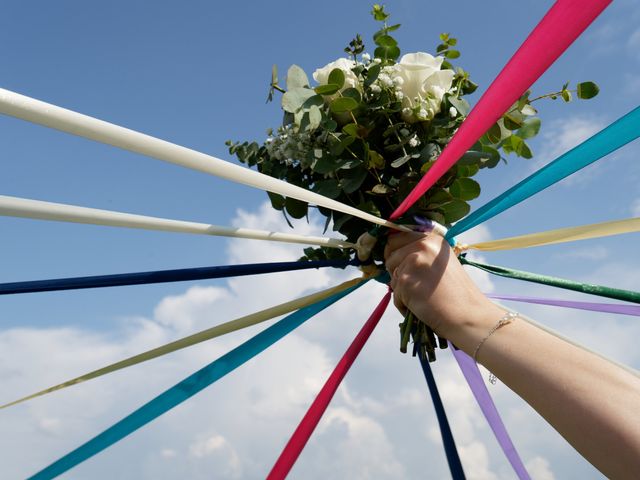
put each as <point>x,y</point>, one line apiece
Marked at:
<point>550,237</point>
<point>562,24</point>
<point>479,389</point>
<point>309,422</point>
<point>616,308</point>
<point>453,459</point>
<point>599,290</point>
<point>164,276</point>
<point>616,135</point>
<point>51,116</point>
<point>187,387</point>
<point>208,334</point>
<point>59,212</point>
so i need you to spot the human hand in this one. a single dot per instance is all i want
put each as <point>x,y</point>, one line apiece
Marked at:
<point>429,281</point>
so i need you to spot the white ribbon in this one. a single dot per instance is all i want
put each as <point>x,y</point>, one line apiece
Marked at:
<point>26,208</point>
<point>42,113</point>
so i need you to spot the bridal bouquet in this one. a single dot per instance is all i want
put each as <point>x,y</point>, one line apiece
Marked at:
<point>372,123</point>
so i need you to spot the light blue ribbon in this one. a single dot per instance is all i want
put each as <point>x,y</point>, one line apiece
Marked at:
<point>188,387</point>
<point>616,135</point>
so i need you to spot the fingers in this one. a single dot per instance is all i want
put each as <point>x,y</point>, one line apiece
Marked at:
<point>399,240</point>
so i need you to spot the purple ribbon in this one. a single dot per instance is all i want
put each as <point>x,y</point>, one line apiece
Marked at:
<point>592,306</point>
<point>479,389</point>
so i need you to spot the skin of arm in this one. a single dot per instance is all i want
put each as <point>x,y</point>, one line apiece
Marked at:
<point>592,403</point>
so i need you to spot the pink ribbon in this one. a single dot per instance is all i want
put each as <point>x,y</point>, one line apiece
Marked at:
<point>562,24</point>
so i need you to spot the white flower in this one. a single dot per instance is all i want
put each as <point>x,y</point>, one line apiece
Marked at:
<point>399,94</point>
<point>321,75</point>
<point>414,142</point>
<point>366,57</point>
<point>453,113</point>
<point>375,88</point>
<point>423,84</point>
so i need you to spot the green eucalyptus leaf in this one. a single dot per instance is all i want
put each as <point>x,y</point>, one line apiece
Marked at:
<point>460,104</point>
<point>352,93</point>
<point>376,160</point>
<point>398,162</point>
<point>293,99</point>
<point>296,78</point>
<point>465,189</point>
<point>336,77</point>
<point>329,188</point>
<point>295,207</point>
<point>315,117</point>
<point>386,41</point>
<point>372,74</point>
<point>455,210</point>
<point>451,54</point>
<point>351,129</point>
<point>382,189</point>
<point>530,128</point>
<point>277,201</point>
<point>494,134</point>
<point>343,105</point>
<point>369,207</point>
<point>566,95</point>
<point>328,89</point>
<point>511,121</point>
<point>387,53</point>
<point>353,179</point>
<point>587,90</point>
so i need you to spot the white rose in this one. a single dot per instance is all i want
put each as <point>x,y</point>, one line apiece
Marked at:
<point>321,75</point>
<point>423,85</point>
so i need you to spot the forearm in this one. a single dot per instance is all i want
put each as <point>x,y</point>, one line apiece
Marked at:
<point>591,402</point>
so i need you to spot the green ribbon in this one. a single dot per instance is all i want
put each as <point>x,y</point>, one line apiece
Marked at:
<point>600,290</point>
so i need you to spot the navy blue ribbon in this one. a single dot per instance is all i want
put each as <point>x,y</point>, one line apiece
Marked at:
<point>164,276</point>
<point>453,459</point>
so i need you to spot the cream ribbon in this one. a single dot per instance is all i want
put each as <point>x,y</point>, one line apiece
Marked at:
<point>26,208</point>
<point>42,113</point>
<point>560,235</point>
<point>199,337</point>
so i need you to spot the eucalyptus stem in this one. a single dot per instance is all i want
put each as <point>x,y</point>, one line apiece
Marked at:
<point>405,331</point>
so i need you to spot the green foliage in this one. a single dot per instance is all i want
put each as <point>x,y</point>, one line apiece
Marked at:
<point>359,145</point>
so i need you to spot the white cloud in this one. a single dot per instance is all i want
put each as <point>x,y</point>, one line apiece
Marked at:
<point>380,424</point>
<point>539,469</point>
<point>635,208</point>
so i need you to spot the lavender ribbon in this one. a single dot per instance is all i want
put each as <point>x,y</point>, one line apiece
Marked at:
<point>591,306</point>
<point>479,389</point>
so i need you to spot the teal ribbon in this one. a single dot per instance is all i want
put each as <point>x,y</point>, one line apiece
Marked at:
<point>616,135</point>
<point>188,387</point>
<point>599,290</point>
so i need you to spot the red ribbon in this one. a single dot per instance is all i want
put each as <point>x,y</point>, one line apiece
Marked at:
<point>308,424</point>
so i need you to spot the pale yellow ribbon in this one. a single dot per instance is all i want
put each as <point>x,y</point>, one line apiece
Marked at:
<point>560,235</point>
<point>199,337</point>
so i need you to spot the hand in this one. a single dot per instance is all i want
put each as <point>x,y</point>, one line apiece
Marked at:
<point>428,280</point>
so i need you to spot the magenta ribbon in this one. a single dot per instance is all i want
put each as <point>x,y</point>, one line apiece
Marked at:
<point>591,306</point>
<point>562,24</point>
<point>478,388</point>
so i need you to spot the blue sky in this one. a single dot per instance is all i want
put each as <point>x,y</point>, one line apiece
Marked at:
<point>196,73</point>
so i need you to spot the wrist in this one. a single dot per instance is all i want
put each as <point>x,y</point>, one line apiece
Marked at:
<point>472,328</point>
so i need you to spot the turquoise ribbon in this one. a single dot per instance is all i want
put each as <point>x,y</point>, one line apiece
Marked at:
<point>616,135</point>
<point>188,387</point>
